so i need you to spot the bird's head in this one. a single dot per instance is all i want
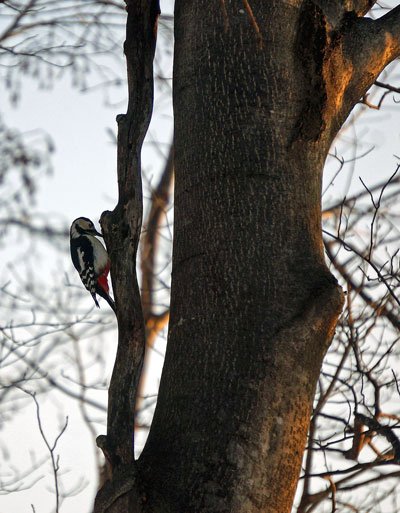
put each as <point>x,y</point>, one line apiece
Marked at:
<point>83,226</point>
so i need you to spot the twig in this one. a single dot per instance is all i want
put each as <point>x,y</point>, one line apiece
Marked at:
<point>50,447</point>
<point>253,21</point>
<point>349,247</point>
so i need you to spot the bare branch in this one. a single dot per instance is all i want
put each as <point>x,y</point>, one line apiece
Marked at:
<point>121,229</point>
<point>50,447</point>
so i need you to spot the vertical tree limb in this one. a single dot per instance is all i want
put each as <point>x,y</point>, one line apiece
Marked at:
<point>154,322</point>
<point>121,230</point>
<point>159,201</point>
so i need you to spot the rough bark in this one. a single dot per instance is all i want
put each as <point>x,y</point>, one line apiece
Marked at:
<point>260,90</point>
<point>121,229</point>
<point>253,307</point>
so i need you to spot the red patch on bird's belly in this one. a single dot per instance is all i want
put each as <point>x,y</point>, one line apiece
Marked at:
<point>102,279</point>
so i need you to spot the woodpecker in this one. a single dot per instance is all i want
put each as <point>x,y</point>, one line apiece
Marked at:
<point>90,259</point>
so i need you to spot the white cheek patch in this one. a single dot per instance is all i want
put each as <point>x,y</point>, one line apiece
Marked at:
<point>74,232</point>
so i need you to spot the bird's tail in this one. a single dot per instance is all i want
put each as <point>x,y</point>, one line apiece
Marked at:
<point>105,296</point>
<point>95,299</point>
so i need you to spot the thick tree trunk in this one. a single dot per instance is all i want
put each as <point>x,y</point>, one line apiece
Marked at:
<point>260,89</point>
<point>253,307</point>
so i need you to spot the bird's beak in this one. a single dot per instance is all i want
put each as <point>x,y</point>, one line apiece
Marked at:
<point>93,231</point>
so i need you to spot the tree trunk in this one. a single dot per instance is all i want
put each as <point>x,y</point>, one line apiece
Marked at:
<point>260,90</point>
<point>253,307</point>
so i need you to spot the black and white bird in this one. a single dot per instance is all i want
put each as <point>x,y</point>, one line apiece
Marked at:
<point>90,259</point>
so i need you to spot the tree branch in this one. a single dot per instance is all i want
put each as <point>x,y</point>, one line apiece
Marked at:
<point>358,51</point>
<point>385,431</point>
<point>159,202</point>
<point>378,41</point>
<point>336,10</point>
<point>372,45</point>
<point>121,229</point>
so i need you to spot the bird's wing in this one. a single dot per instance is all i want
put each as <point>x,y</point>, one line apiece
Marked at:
<point>82,258</point>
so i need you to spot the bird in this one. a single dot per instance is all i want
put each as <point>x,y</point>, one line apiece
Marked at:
<point>90,259</point>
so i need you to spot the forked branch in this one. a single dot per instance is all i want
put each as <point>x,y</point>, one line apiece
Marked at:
<point>121,229</point>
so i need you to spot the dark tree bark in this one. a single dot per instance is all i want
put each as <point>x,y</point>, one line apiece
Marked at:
<point>121,229</point>
<point>260,91</point>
